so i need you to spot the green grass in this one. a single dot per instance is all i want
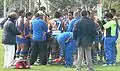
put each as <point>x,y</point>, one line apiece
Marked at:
<point>57,68</point>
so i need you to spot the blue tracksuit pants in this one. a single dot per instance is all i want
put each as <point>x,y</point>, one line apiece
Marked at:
<point>70,48</point>
<point>62,47</point>
<point>109,49</point>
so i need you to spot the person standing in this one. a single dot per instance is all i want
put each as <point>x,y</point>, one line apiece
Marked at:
<point>76,16</point>
<point>113,12</point>
<point>38,44</point>
<point>9,39</point>
<point>27,19</point>
<point>20,39</point>
<point>110,40</point>
<point>84,33</point>
<point>70,17</point>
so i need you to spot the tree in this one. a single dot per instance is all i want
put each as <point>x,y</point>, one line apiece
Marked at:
<point>107,4</point>
<point>54,5</point>
<point>62,4</point>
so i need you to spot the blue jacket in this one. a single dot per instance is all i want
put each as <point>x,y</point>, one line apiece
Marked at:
<point>72,23</point>
<point>39,27</point>
<point>84,32</point>
<point>65,36</point>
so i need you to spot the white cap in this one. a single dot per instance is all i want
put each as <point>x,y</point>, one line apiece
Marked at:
<point>40,12</point>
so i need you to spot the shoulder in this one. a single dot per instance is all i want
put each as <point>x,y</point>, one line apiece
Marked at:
<point>73,20</point>
<point>20,19</point>
<point>111,22</point>
<point>8,23</point>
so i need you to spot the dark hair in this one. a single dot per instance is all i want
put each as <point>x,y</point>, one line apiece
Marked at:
<point>57,14</point>
<point>71,12</point>
<point>84,13</point>
<point>28,14</point>
<point>20,11</point>
<point>106,11</point>
<point>12,15</point>
<point>113,11</point>
<point>109,15</point>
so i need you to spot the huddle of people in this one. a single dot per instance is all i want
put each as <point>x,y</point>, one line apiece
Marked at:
<point>77,36</point>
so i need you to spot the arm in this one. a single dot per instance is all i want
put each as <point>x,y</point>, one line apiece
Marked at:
<point>107,25</point>
<point>26,24</point>
<point>94,31</point>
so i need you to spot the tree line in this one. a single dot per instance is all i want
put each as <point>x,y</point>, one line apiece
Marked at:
<point>53,5</point>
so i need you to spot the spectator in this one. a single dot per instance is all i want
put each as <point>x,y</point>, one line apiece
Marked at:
<point>9,39</point>
<point>5,19</point>
<point>110,40</point>
<point>113,12</point>
<point>84,34</point>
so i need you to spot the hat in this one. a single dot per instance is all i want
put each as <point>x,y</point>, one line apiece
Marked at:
<point>40,12</point>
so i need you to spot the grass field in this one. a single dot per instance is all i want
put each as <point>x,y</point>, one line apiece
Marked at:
<point>58,68</point>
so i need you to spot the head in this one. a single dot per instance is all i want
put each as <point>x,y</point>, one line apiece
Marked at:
<point>21,12</point>
<point>84,13</point>
<point>13,15</point>
<point>113,12</point>
<point>41,14</point>
<point>76,14</point>
<point>58,14</point>
<point>106,11</point>
<point>65,12</point>
<point>70,15</point>
<point>109,16</point>
<point>28,15</point>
